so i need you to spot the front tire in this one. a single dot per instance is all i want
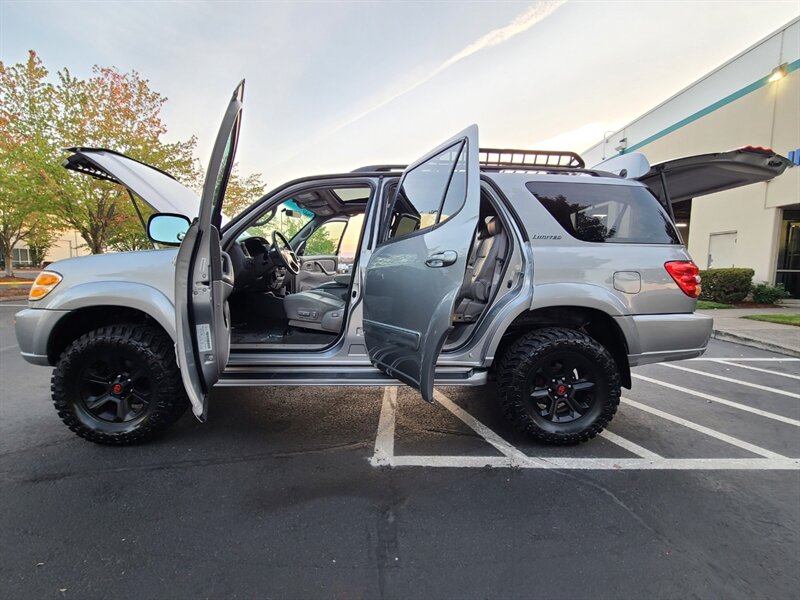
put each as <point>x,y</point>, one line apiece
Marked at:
<point>119,384</point>
<point>559,386</point>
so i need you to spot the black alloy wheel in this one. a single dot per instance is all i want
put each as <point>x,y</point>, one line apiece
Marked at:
<point>115,387</point>
<point>558,385</point>
<point>562,387</point>
<point>119,384</point>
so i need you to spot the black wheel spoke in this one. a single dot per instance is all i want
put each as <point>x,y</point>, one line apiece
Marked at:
<point>540,394</point>
<point>575,406</point>
<point>123,408</point>
<point>583,386</point>
<point>139,397</point>
<point>551,413</point>
<point>95,402</point>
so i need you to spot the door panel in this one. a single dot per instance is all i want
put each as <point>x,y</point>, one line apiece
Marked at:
<point>413,278</point>
<point>316,270</point>
<point>204,275</point>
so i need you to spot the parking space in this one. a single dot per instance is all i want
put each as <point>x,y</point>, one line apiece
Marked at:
<point>714,413</point>
<point>694,491</point>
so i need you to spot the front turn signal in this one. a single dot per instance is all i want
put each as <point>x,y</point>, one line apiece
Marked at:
<point>44,284</point>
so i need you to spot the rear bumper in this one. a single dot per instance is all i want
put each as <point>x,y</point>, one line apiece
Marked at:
<point>659,338</point>
<point>33,327</point>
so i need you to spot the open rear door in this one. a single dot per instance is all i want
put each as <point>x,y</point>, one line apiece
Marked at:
<point>414,276</point>
<point>204,275</point>
<point>703,174</point>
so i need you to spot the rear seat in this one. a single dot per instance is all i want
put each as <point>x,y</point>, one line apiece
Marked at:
<point>484,267</point>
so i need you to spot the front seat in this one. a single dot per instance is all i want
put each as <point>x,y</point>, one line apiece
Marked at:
<point>315,309</point>
<point>484,267</point>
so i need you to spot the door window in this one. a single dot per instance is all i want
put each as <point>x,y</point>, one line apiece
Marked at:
<point>430,193</point>
<point>325,240</point>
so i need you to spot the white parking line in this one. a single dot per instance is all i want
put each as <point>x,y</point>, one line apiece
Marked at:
<point>718,400</point>
<point>514,458</point>
<point>604,464</point>
<point>706,430</point>
<point>4,348</point>
<point>487,434</point>
<point>723,361</point>
<point>748,359</point>
<point>629,445</point>
<point>764,388</point>
<point>384,441</point>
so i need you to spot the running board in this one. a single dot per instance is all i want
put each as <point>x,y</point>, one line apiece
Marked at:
<point>336,376</point>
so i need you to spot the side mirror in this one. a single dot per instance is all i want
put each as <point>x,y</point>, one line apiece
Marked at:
<point>167,229</point>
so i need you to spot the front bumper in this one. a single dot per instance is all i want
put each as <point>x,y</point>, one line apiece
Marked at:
<point>33,327</point>
<point>659,338</point>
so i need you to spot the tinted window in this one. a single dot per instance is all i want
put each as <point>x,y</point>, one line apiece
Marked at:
<point>422,193</point>
<point>623,214</point>
<point>457,192</point>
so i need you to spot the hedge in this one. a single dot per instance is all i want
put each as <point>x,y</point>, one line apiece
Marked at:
<point>764,293</point>
<point>726,285</point>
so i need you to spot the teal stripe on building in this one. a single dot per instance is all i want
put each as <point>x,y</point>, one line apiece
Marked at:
<point>709,109</point>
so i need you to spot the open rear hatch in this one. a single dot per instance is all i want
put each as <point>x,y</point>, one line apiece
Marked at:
<point>703,174</point>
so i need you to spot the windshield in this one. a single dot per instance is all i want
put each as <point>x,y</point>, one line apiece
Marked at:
<point>287,218</point>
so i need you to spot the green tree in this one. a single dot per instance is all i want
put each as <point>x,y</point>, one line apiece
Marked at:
<point>242,192</point>
<point>118,111</point>
<point>27,114</point>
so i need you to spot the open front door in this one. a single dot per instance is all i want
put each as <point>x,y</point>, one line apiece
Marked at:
<point>204,275</point>
<point>414,276</point>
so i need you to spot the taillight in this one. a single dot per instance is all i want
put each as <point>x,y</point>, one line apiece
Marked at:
<point>758,150</point>
<point>686,275</point>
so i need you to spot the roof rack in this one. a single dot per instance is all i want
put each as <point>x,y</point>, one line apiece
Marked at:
<point>506,159</point>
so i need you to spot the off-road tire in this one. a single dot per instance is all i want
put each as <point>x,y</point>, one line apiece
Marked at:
<point>525,354</point>
<point>155,349</point>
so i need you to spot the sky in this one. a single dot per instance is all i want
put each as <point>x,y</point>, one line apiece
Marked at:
<point>332,86</point>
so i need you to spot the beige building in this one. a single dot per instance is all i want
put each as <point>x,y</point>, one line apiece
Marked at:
<point>68,244</point>
<point>751,100</point>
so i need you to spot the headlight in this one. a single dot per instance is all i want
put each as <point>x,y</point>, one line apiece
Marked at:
<point>44,284</point>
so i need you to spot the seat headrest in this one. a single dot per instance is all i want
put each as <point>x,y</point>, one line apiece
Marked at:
<point>490,226</point>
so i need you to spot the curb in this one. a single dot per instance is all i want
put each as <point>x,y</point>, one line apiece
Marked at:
<point>746,341</point>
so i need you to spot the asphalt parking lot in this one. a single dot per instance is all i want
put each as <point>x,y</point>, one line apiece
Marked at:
<point>370,493</point>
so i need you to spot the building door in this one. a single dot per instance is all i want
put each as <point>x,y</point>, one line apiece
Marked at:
<point>721,250</point>
<point>788,271</point>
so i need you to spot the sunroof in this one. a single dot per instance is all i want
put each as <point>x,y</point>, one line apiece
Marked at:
<point>352,194</point>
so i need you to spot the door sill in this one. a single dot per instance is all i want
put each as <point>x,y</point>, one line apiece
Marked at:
<point>337,376</point>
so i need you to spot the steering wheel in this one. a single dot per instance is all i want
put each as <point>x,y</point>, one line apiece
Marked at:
<point>282,254</point>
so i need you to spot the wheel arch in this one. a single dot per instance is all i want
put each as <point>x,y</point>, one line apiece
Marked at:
<point>77,322</point>
<point>594,322</point>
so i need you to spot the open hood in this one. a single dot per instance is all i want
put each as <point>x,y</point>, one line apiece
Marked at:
<point>162,192</point>
<point>703,174</point>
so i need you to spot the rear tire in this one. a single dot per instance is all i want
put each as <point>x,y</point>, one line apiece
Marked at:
<point>119,384</point>
<point>559,386</point>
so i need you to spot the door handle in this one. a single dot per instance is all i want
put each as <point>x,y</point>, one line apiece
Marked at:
<point>441,259</point>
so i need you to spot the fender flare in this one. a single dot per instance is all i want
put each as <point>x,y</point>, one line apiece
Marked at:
<point>138,296</point>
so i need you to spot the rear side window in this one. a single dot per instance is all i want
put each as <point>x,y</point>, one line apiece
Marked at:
<point>622,214</point>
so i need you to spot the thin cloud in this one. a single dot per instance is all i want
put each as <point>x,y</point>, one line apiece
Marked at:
<point>535,14</point>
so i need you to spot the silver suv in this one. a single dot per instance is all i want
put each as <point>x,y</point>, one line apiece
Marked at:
<point>467,265</point>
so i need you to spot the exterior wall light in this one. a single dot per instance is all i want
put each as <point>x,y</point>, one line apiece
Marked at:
<point>778,73</point>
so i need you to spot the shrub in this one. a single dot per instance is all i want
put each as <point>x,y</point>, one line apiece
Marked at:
<point>726,285</point>
<point>764,293</point>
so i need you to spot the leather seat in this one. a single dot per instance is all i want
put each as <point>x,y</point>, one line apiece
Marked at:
<point>315,309</point>
<point>484,267</point>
